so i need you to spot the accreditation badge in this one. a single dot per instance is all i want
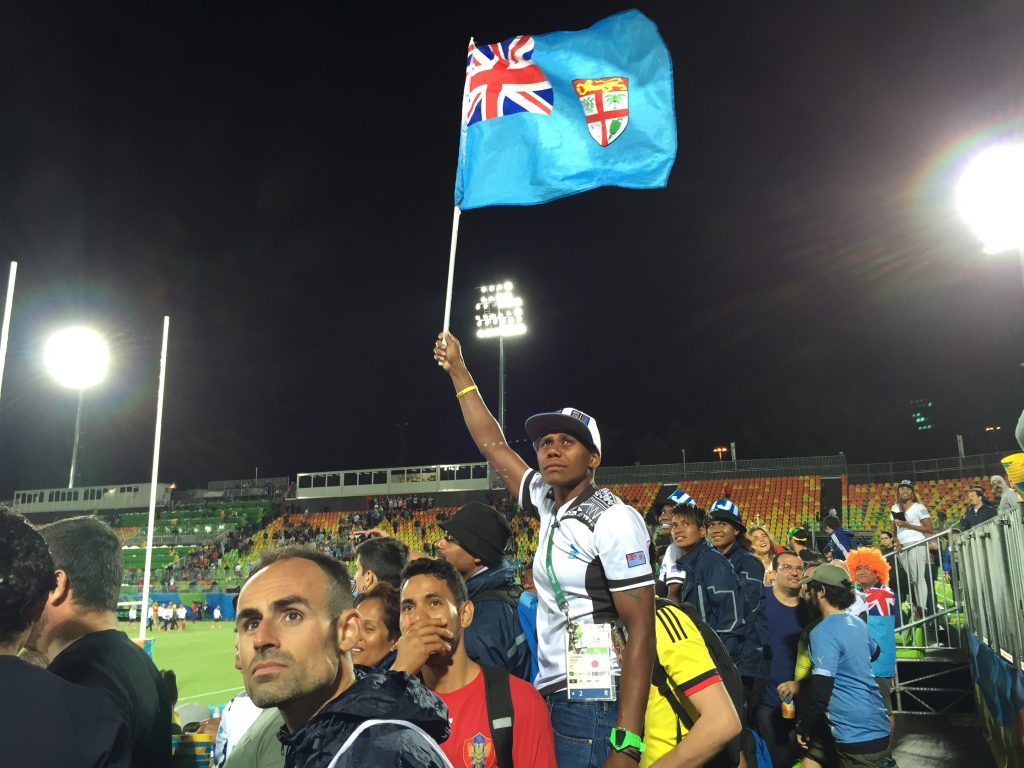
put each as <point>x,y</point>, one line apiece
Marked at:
<point>588,662</point>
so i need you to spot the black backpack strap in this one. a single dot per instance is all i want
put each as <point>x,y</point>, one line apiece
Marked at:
<point>660,680</point>
<point>510,597</point>
<point>500,715</point>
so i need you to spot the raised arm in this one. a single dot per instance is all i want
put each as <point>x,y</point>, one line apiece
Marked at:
<point>481,424</point>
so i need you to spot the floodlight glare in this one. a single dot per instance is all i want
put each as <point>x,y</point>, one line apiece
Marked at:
<point>77,357</point>
<point>990,197</point>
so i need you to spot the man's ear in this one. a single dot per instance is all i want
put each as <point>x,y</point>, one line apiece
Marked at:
<point>371,581</point>
<point>595,460</point>
<point>466,614</point>
<point>349,629</point>
<point>62,592</point>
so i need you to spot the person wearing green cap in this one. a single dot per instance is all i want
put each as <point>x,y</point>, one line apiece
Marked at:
<point>798,538</point>
<point>844,694</point>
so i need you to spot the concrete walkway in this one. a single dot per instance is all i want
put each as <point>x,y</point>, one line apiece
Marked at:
<point>937,741</point>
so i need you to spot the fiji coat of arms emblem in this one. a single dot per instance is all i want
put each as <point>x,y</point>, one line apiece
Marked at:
<point>605,102</point>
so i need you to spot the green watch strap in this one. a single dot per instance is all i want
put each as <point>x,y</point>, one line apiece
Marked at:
<point>621,739</point>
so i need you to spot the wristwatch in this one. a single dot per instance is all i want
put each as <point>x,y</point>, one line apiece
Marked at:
<point>621,739</point>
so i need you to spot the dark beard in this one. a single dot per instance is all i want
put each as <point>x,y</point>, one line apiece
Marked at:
<point>814,605</point>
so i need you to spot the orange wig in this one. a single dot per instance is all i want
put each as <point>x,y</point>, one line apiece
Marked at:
<point>870,557</point>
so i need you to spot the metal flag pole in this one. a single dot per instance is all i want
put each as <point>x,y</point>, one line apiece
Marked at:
<point>451,270</point>
<point>6,332</point>
<point>457,212</point>
<point>152,486</point>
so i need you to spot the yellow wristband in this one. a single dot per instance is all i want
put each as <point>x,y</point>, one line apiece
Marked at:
<point>466,391</point>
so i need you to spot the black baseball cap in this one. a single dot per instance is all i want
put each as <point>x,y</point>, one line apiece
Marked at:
<point>570,421</point>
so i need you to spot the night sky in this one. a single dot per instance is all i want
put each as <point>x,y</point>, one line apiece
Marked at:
<point>278,179</point>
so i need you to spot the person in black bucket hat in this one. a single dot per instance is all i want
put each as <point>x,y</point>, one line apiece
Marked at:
<point>474,543</point>
<point>592,571</point>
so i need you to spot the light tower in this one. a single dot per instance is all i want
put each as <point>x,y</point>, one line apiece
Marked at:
<point>77,358</point>
<point>499,313</point>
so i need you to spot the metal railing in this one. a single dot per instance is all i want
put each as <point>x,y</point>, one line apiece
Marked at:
<point>931,670</point>
<point>990,558</point>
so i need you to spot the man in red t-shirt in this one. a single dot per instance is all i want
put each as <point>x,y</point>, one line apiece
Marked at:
<point>434,610</point>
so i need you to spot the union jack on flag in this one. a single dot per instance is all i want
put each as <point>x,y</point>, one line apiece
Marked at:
<point>881,601</point>
<point>501,79</point>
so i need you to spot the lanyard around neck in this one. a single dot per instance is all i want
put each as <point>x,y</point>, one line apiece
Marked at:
<point>563,603</point>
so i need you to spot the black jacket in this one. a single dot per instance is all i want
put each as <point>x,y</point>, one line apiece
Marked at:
<point>710,583</point>
<point>753,662</point>
<point>975,517</point>
<point>496,635</point>
<point>376,695</point>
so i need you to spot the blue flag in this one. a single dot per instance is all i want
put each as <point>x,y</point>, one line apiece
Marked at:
<point>561,113</point>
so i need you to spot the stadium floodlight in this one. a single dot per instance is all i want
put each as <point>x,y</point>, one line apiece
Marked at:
<point>77,358</point>
<point>990,198</point>
<point>499,313</point>
<point>720,450</point>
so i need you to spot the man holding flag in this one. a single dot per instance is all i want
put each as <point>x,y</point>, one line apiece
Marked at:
<point>544,117</point>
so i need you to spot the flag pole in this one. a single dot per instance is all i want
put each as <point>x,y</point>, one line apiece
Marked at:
<point>457,212</point>
<point>6,332</point>
<point>152,486</point>
<point>451,269</point>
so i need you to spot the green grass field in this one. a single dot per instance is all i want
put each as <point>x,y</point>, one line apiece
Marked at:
<point>203,658</point>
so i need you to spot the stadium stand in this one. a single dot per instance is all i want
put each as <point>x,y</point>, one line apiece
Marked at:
<point>866,505</point>
<point>779,503</point>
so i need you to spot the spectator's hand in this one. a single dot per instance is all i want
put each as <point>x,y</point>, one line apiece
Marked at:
<point>421,640</point>
<point>802,740</point>
<point>370,532</point>
<point>448,351</point>
<point>788,688</point>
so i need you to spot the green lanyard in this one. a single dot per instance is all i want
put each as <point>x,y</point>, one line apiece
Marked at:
<point>560,598</point>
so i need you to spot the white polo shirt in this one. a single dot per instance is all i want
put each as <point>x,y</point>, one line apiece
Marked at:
<point>915,514</point>
<point>599,546</point>
<point>670,572</point>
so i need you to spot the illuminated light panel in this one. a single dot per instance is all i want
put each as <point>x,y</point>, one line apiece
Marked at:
<point>77,357</point>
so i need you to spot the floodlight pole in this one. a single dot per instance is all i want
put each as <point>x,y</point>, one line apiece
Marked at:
<point>501,383</point>
<point>78,433</point>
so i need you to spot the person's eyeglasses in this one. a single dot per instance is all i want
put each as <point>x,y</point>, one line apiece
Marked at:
<point>797,568</point>
<point>449,539</point>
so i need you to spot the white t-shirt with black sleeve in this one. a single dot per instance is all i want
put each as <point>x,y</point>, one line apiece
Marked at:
<point>599,546</point>
<point>914,515</point>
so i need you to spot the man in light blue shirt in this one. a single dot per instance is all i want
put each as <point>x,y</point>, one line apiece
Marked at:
<point>843,692</point>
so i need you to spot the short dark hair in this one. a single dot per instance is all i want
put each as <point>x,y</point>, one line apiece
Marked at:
<point>691,513</point>
<point>978,490</point>
<point>833,522</point>
<point>838,597</point>
<point>388,597</point>
<point>810,557</point>
<point>89,552</point>
<point>26,574</point>
<point>439,569</point>
<point>784,553</point>
<point>885,533</point>
<point>340,592</point>
<point>385,556</point>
